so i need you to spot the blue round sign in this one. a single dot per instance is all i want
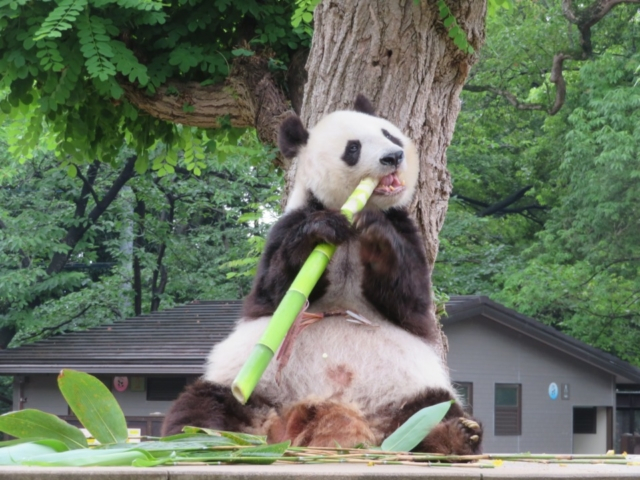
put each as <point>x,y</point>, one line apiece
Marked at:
<point>553,390</point>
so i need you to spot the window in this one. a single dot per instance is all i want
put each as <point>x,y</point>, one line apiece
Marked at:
<point>165,388</point>
<point>508,409</point>
<point>465,394</point>
<point>584,419</point>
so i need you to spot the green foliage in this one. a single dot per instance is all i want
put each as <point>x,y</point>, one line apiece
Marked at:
<point>63,64</point>
<point>94,406</point>
<point>303,15</point>
<point>38,206</point>
<point>456,33</point>
<point>570,260</point>
<point>31,423</point>
<point>14,453</point>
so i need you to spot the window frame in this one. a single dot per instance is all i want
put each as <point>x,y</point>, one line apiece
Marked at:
<point>508,411</point>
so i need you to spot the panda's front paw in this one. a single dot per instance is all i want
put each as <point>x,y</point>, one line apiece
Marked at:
<point>327,226</point>
<point>378,241</point>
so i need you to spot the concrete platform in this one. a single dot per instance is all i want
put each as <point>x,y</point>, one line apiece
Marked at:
<point>515,470</point>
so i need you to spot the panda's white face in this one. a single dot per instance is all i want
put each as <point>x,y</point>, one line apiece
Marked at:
<point>347,146</point>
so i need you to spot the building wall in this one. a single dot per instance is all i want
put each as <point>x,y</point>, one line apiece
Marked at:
<point>485,353</point>
<point>42,393</point>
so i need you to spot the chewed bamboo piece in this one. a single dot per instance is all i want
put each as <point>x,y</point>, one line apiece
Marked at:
<point>294,301</point>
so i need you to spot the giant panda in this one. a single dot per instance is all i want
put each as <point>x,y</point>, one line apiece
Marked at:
<point>363,359</point>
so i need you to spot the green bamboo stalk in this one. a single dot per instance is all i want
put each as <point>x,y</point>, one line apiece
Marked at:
<point>293,301</point>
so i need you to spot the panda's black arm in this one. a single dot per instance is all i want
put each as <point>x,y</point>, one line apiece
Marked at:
<point>396,274</point>
<point>289,243</point>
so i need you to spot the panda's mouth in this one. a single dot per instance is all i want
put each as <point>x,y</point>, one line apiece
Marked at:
<point>389,185</point>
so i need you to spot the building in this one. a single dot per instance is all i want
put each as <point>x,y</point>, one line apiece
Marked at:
<point>535,389</point>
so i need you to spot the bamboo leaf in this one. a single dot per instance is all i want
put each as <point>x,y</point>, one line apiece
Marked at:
<point>15,454</point>
<point>244,438</point>
<point>261,455</point>
<point>273,451</point>
<point>418,426</point>
<point>94,405</point>
<point>115,457</point>
<point>232,438</point>
<point>31,423</point>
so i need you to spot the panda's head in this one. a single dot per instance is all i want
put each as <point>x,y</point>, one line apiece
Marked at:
<point>342,149</point>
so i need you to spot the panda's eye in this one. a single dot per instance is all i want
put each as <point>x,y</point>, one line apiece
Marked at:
<point>351,153</point>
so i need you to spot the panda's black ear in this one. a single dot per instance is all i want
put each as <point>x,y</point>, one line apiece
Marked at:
<point>363,105</point>
<point>292,136</point>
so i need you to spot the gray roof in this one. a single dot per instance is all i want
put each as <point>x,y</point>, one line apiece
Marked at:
<point>173,341</point>
<point>177,341</point>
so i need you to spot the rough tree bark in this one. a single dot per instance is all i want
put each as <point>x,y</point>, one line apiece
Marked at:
<point>399,55</point>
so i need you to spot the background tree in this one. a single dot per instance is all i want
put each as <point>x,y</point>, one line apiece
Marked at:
<point>547,103</point>
<point>541,217</point>
<point>164,239</point>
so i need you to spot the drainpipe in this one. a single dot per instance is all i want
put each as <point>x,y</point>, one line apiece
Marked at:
<point>21,380</point>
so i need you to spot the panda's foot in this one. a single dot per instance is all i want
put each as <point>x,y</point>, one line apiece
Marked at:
<point>320,423</point>
<point>455,436</point>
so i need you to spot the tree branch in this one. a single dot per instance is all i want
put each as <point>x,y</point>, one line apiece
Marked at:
<point>510,97</point>
<point>92,172</point>
<point>469,200</point>
<point>556,77</point>
<point>587,17</point>
<point>513,198</point>
<point>76,232</point>
<point>55,327</point>
<point>157,289</point>
<point>250,97</point>
<point>140,210</point>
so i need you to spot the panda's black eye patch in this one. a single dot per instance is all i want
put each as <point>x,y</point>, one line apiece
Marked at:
<point>392,138</point>
<point>351,153</point>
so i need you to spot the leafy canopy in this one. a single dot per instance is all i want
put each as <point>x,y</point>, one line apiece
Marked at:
<point>63,64</point>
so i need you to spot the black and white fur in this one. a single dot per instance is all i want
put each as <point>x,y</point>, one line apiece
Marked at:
<point>344,382</point>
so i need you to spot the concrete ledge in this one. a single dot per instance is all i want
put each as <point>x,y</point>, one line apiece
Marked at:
<point>515,470</point>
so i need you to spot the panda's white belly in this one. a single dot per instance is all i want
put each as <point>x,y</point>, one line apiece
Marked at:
<point>333,358</point>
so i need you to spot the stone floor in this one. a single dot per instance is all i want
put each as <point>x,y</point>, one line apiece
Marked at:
<point>516,470</point>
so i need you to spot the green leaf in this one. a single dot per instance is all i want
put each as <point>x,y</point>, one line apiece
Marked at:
<point>418,426</point>
<point>249,216</point>
<point>31,423</point>
<point>16,453</point>
<point>72,171</point>
<point>114,457</point>
<point>241,52</point>
<point>94,405</point>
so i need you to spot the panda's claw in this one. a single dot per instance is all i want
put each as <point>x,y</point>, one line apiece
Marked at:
<point>470,424</point>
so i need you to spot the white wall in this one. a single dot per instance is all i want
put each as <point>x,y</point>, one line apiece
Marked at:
<point>593,442</point>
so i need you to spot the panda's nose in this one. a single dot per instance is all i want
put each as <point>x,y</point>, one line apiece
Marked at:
<point>392,159</point>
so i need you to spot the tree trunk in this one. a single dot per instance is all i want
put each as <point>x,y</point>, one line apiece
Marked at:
<point>399,55</point>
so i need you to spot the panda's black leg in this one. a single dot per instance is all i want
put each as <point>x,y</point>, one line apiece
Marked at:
<point>209,405</point>
<point>396,279</point>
